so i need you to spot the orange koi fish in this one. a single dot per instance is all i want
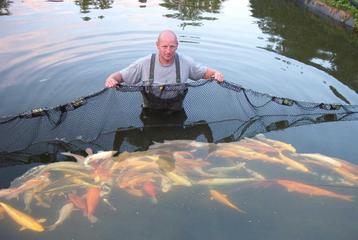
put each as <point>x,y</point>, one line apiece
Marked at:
<point>222,198</point>
<point>293,186</point>
<point>149,188</point>
<point>24,220</point>
<point>92,199</point>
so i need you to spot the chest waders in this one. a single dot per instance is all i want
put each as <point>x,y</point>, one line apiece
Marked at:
<point>164,97</point>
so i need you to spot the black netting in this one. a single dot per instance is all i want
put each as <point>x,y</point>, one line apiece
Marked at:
<point>115,119</point>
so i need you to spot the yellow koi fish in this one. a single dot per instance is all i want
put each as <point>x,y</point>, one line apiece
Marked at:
<point>178,179</point>
<point>222,198</point>
<point>219,170</point>
<point>224,181</point>
<point>293,164</point>
<point>24,220</point>
<point>64,213</point>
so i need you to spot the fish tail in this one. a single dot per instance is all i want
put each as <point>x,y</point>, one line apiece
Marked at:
<point>240,210</point>
<point>154,200</point>
<point>92,218</point>
<point>347,198</point>
<point>52,227</point>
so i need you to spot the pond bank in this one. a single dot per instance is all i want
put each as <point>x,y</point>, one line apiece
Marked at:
<point>333,11</point>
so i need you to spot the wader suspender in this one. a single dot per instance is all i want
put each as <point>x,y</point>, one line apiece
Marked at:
<point>152,95</point>
<point>151,69</point>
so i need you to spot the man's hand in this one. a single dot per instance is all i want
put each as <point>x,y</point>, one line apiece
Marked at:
<point>218,76</point>
<point>113,80</point>
<point>214,75</point>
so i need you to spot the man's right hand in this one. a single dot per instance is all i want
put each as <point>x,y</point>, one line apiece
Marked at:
<point>111,82</point>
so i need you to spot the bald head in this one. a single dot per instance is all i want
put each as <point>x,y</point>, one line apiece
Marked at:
<point>167,44</point>
<point>167,35</point>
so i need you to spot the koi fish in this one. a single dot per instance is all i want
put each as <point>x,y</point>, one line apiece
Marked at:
<point>2,212</point>
<point>7,192</point>
<point>98,156</point>
<point>92,199</point>
<point>79,158</point>
<point>222,198</point>
<point>78,202</point>
<point>32,183</point>
<point>322,159</point>
<point>24,220</point>
<point>64,213</point>
<point>149,188</point>
<point>293,186</point>
<point>178,179</point>
<point>281,146</point>
<point>219,170</point>
<point>224,181</point>
<point>165,184</point>
<point>293,164</point>
<point>347,170</point>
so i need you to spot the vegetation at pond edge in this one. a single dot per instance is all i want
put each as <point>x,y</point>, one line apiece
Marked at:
<point>350,6</point>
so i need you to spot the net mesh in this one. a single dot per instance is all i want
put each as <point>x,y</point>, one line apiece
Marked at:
<point>114,119</point>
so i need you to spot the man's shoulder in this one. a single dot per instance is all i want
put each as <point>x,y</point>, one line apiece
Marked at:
<point>186,59</point>
<point>143,60</point>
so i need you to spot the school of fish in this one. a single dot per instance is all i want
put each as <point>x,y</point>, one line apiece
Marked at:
<point>87,182</point>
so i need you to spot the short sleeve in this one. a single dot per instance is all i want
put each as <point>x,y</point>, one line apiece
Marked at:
<point>132,74</point>
<point>196,70</point>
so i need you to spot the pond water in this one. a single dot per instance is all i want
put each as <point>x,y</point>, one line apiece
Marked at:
<point>52,52</point>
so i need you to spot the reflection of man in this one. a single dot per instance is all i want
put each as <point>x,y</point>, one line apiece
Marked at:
<point>159,125</point>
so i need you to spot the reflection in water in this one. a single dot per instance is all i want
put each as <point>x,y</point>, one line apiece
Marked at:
<point>221,172</point>
<point>4,5</point>
<point>158,126</point>
<point>191,11</point>
<point>292,33</point>
<point>88,5</point>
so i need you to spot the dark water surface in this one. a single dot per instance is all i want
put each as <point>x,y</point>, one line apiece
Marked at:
<point>52,52</point>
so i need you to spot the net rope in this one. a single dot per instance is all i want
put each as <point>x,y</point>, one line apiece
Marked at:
<point>110,118</point>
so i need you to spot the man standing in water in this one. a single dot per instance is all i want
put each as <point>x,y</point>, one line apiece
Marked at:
<point>162,114</point>
<point>165,66</point>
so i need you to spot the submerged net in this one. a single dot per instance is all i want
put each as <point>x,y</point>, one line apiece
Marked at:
<point>114,119</point>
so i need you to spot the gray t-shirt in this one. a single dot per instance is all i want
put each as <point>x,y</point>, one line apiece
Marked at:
<point>138,72</point>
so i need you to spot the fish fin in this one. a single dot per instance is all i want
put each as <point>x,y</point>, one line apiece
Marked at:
<point>22,229</point>
<point>89,151</point>
<point>42,220</point>
<point>78,158</point>
<point>105,200</point>
<point>240,210</point>
<point>92,218</point>
<point>52,227</point>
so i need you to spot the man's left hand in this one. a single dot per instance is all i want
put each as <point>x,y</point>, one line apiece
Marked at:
<point>218,76</point>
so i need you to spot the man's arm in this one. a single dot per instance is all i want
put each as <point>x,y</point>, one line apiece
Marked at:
<point>113,80</point>
<point>213,74</point>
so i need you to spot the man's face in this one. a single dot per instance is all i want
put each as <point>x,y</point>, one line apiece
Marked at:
<point>167,47</point>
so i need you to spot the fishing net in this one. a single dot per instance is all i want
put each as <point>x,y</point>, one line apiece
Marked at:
<point>115,119</point>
